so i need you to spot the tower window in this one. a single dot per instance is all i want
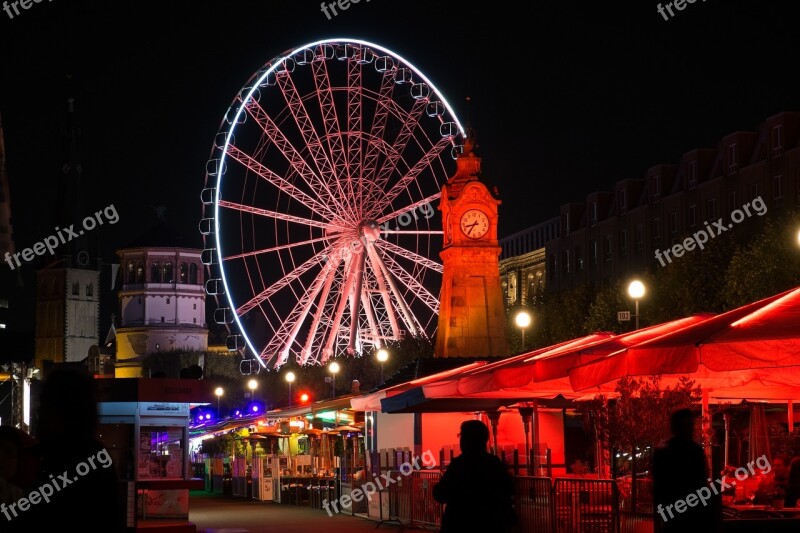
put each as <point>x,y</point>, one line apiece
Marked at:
<point>184,272</point>
<point>76,289</point>
<point>130,272</point>
<point>89,290</point>
<point>155,272</point>
<point>167,272</point>
<point>193,274</point>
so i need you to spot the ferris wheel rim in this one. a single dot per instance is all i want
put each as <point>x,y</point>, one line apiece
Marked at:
<point>256,80</point>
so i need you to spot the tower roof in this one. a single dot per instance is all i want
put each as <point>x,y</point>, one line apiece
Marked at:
<point>468,169</point>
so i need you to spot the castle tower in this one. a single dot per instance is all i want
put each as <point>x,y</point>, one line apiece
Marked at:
<point>472,318</point>
<point>162,300</point>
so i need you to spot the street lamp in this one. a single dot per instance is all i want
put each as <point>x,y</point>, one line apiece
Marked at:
<point>523,320</point>
<point>290,379</point>
<point>333,368</point>
<point>636,291</point>
<point>383,356</point>
<point>218,392</point>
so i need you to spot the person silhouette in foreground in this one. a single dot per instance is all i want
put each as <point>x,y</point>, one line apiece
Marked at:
<point>476,488</point>
<point>76,475</point>
<point>680,474</point>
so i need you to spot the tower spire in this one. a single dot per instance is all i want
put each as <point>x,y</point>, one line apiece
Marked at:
<point>6,232</point>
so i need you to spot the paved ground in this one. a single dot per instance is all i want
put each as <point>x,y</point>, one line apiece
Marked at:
<point>214,513</point>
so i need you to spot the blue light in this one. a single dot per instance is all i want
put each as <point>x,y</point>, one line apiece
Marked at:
<point>255,408</point>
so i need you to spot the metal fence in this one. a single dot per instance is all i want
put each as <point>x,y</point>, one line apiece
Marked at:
<point>533,501</point>
<point>584,505</point>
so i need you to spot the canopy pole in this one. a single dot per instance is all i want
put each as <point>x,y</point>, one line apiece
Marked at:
<point>706,425</point>
<point>526,412</point>
<point>727,418</point>
<point>790,416</point>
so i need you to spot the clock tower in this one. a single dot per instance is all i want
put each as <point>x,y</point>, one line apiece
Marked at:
<point>472,318</point>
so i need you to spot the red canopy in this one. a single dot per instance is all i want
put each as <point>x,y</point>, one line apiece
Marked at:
<point>761,336</point>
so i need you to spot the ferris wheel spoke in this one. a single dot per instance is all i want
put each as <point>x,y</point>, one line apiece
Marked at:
<point>282,282</point>
<point>378,126</point>
<point>411,256</point>
<point>354,70</point>
<point>383,288</point>
<point>366,305</point>
<point>390,163</point>
<point>344,296</point>
<point>409,208</point>
<point>400,303</point>
<point>278,216</point>
<point>295,159</point>
<point>355,301</point>
<point>305,353</point>
<point>418,167</point>
<point>330,119</point>
<point>275,248</point>
<point>283,339</point>
<point>279,182</point>
<point>306,127</point>
<point>411,283</point>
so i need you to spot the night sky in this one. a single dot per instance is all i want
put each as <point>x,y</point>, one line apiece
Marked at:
<point>567,97</point>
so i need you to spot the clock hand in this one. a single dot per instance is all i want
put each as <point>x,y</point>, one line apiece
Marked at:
<point>471,227</point>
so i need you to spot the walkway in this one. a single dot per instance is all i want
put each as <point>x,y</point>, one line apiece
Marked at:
<point>215,513</point>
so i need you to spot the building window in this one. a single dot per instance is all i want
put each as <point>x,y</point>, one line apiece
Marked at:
<point>155,272</point>
<point>777,190</point>
<point>673,223</point>
<point>194,306</point>
<point>89,290</point>
<point>754,191</point>
<point>139,272</point>
<point>578,258</point>
<point>711,208</point>
<point>184,272</point>
<point>565,262</point>
<point>194,320</point>
<point>565,222</point>
<point>76,289</point>
<point>623,242</point>
<point>777,141</point>
<point>131,273</point>
<point>639,236</point>
<point>162,319</point>
<point>607,248</point>
<point>655,186</point>
<point>691,175</point>
<point>193,274</point>
<point>593,214</point>
<point>167,277</point>
<point>623,201</point>
<point>691,219</point>
<point>732,166</point>
<point>3,303</point>
<point>593,253</point>
<point>168,300</point>
<point>656,229</point>
<point>732,201</point>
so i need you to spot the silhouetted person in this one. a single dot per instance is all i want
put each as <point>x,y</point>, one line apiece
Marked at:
<point>680,477</point>
<point>476,488</point>
<point>83,486</point>
<point>793,484</point>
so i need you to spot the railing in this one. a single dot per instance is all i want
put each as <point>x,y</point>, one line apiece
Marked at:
<point>583,505</point>
<point>533,502</point>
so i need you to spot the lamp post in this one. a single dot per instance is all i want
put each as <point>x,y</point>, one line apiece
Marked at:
<point>290,379</point>
<point>636,291</point>
<point>333,368</point>
<point>218,392</point>
<point>383,356</point>
<point>523,320</point>
<point>252,385</point>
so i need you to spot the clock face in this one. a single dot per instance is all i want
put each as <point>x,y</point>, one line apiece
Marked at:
<point>474,224</point>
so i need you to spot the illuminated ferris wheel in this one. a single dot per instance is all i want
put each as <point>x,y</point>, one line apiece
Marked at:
<point>320,223</point>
